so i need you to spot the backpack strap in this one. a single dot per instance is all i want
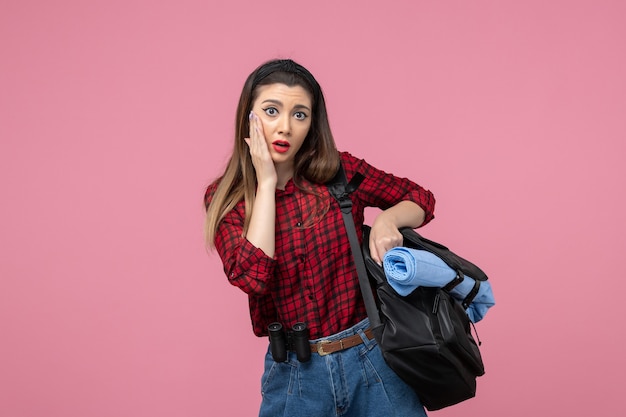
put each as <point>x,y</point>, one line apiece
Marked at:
<point>471,295</point>
<point>340,189</point>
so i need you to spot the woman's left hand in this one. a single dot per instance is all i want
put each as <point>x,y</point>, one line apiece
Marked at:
<point>384,235</point>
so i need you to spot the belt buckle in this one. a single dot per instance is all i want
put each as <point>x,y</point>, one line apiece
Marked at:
<point>320,347</point>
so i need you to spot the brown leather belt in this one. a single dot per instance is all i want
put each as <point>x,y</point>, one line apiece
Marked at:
<point>326,346</point>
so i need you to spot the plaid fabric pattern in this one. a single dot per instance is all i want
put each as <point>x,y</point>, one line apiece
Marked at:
<point>312,277</point>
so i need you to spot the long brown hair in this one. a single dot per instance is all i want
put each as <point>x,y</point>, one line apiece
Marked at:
<point>317,160</point>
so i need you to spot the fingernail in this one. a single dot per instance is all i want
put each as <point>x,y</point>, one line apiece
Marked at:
<point>251,115</point>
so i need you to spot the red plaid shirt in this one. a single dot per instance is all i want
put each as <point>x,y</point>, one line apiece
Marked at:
<point>312,277</point>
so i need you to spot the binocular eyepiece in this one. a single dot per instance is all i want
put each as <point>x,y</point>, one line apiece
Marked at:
<point>296,339</point>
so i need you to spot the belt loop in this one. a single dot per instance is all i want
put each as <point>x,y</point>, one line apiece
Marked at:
<point>366,340</point>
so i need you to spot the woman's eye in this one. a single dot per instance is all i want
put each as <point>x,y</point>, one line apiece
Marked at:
<point>271,111</point>
<point>300,115</point>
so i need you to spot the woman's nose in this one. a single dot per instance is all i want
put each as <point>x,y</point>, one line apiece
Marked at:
<point>284,125</point>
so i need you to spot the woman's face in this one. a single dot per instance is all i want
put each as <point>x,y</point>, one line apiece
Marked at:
<point>286,116</point>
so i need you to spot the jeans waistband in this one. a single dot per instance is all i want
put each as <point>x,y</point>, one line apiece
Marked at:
<point>362,325</point>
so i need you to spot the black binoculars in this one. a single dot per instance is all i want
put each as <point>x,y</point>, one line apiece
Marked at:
<point>296,339</point>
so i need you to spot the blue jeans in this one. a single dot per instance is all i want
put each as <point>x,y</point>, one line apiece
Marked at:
<point>354,382</point>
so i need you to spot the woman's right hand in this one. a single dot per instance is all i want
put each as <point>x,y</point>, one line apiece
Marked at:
<point>259,152</point>
<point>261,230</point>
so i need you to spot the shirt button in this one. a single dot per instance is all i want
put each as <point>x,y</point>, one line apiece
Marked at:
<point>301,258</point>
<point>299,224</point>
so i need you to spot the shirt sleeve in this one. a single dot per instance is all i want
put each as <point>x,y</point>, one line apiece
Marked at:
<point>246,266</point>
<point>383,190</point>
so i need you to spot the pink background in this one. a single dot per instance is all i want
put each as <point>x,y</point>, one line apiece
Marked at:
<point>114,116</point>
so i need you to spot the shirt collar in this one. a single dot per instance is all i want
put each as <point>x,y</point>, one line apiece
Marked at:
<point>290,188</point>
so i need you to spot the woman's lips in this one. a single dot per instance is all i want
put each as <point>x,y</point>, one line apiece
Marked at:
<point>280,146</point>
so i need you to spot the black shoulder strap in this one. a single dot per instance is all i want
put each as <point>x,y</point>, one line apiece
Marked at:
<point>340,189</point>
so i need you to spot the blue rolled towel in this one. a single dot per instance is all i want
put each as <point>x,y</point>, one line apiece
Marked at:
<point>406,269</point>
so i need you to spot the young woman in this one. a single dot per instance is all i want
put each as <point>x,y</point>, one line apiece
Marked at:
<point>282,240</point>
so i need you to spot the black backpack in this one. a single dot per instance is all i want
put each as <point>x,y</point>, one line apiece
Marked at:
<point>424,337</point>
